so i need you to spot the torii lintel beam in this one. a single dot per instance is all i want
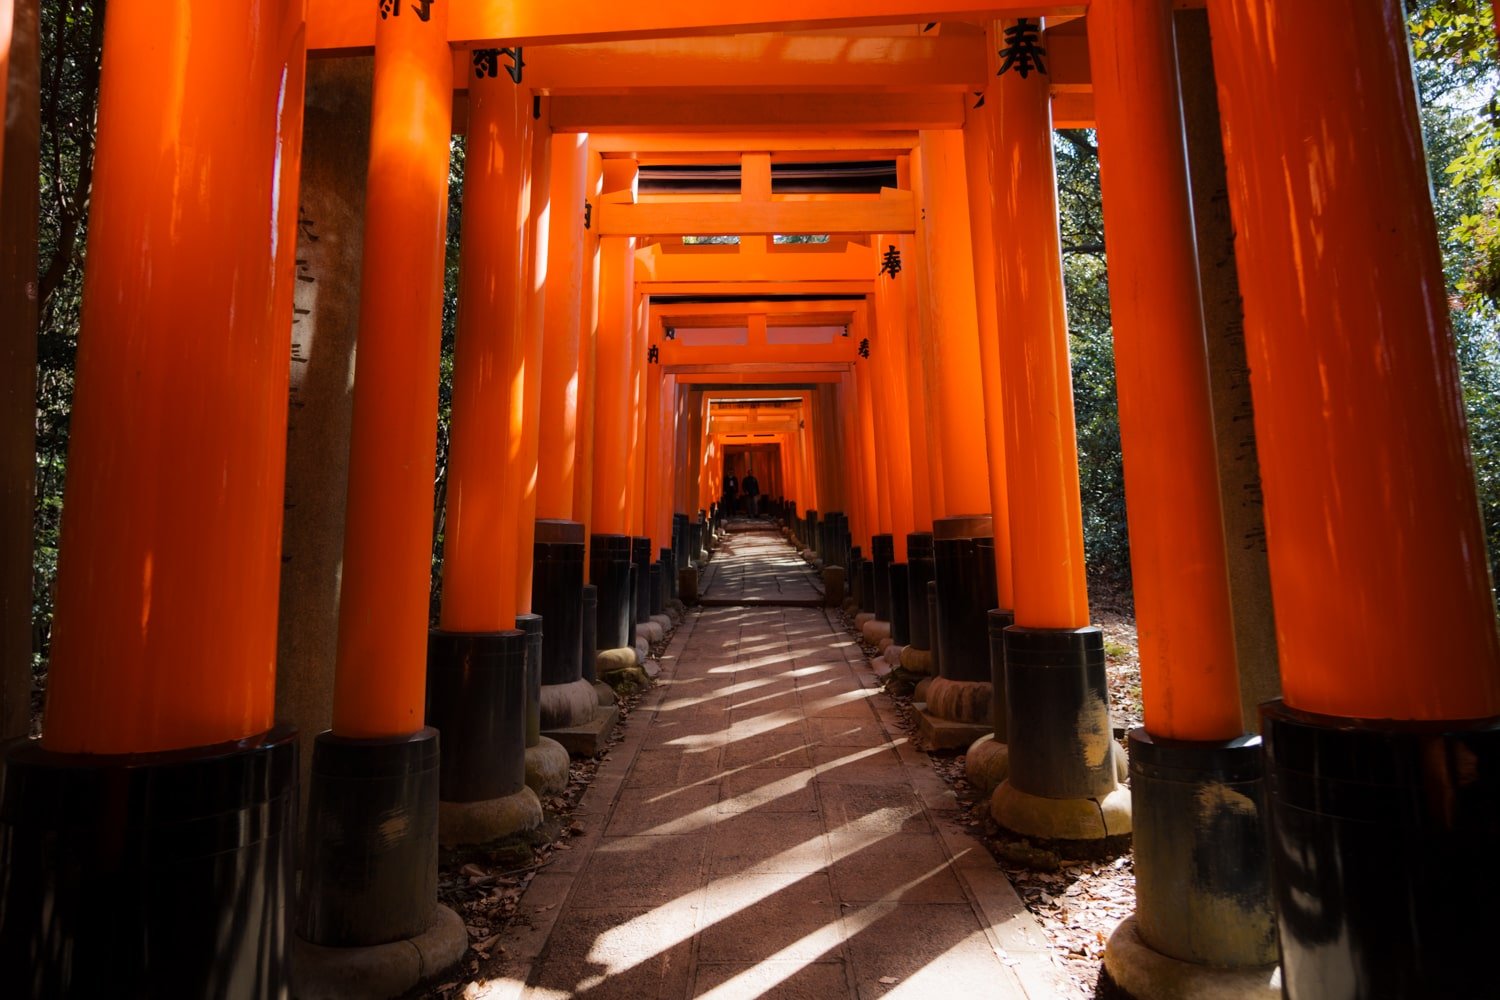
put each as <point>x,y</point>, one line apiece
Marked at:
<point>350,24</point>
<point>893,213</point>
<point>675,111</point>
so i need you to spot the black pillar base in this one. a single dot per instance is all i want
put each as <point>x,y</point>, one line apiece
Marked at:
<point>654,605</point>
<point>476,698</point>
<point>882,554</point>
<point>1382,838</point>
<point>370,873</point>
<point>932,627</point>
<point>160,874</point>
<point>609,570</point>
<point>557,595</point>
<point>900,605</point>
<point>535,634</point>
<point>1203,882</point>
<point>640,558</point>
<point>962,637</point>
<point>919,572</point>
<point>999,620</point>
<point>590,625</point>
<point>1057,713</point>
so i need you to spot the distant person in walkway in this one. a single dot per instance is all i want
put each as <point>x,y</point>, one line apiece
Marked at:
<point>731,494</point>
<point>752,493</point>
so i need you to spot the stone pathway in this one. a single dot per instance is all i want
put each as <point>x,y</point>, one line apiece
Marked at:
<point>765,829</point>
<point>758,567</point>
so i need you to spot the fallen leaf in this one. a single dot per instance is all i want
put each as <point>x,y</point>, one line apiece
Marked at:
<point>889,980</point>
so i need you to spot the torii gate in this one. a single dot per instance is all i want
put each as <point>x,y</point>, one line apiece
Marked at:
<point>163,681</point>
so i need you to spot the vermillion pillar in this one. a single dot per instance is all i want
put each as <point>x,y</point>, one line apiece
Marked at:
<point>559,553</point>
<point>159,712</point>
<point>1062,781</point>
<point>1192,744</point>
<point>614,385</point>
<point>986,761</point>
<point>476,659</point>
<point>962,693</point>
<point>1390,728</point>
<point>380,763</point>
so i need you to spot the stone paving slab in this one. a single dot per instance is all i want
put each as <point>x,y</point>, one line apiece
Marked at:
<point>765,829</point>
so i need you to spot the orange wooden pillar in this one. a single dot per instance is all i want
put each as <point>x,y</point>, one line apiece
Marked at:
<point>949,275</point>
<point>481,549</point>
<point>526,420</point>
<point>1193,723</point>
<point>588,337</point>
<point>888,359</point>
<point>978,173</point>
<point>164,647</point>
<point>1062,781</point>
<point>1181,580</point>
<point>614,385</point>
<point>380,677</point>
<point>1385,618</point>
<point>561,363</point>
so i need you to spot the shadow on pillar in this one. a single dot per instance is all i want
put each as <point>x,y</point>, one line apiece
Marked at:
<point>566,698</point>
<point>159,874</point>
<point>369,911</point>
<point>957,710</point>
<point>1382,846</point>
<point>1063,782</point>
<point>1203,922</point>
<point>609,571</point>
<point>546,759</point>
<point>477,700</point>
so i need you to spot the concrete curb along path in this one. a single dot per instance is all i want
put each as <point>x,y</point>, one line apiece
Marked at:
<point>765,828</point>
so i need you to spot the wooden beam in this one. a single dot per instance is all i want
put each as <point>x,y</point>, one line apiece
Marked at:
<point>760,63</point>
<point>702,288</point>
<point>754,373</point>
<point>350,24</point>
<point>1073,111</point>
<point>794,265</point>
<point>891,214</point>
<point>722,147</point>
<point>676,111</point>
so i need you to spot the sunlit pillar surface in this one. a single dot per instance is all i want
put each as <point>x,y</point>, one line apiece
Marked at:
<point>480,546</point>
<point>1384,614</point>
<point>557,460</point>
<point>171,540</point>
<point>1181,580</point>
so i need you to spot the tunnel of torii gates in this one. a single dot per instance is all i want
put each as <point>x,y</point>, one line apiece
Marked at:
<point>246,548</point>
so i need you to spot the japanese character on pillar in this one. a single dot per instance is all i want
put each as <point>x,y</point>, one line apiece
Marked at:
<point>864,347</point>
<point>653,354</point>
<point>1023,51</point>
<point>487,64</point>
<point>392,8</point>
<point>890,261</point>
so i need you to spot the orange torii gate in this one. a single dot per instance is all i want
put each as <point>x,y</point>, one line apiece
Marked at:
<point>949,402</point>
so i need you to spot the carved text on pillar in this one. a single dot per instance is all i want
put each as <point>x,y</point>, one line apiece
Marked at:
<point>1022,51</point>
<point>653,354</point>
<point>864,348</point>
<point>392,8</point>
<point>890,261</point>
<point>487,63</point>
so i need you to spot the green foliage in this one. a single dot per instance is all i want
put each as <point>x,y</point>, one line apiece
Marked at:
<point>1101,467</point>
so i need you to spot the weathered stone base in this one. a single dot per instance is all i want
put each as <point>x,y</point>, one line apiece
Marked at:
<point>642,650</point>
<point>605,694</point>
<point>892,654</point>
<point>568,704</point>
<point>919,695</point>
<point>1141,972</point>
<point>379,971</point>
<point>547,767</point>
<point>962,701</point>
<point>987,763</point>
<point>1061,819</point>
<point>875,630</point>
<point>610,660</point>
<point>945,734</point>
<point>481,822</point>
<point>862,619</point>
<point>651,631</point>
<point>589,738</point>
<point>665,621</point>
<point>917,661</point>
